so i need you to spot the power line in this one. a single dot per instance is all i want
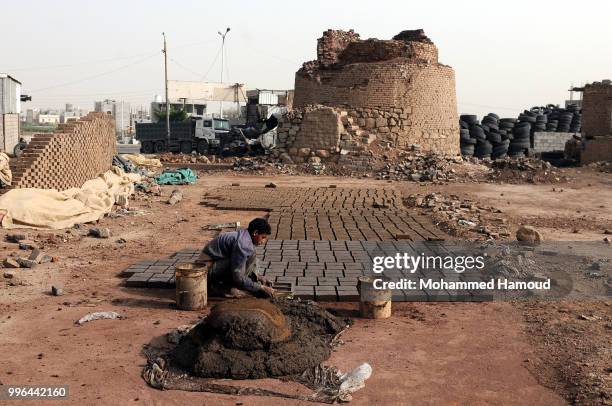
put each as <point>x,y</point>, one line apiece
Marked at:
<point>212,65</point>
<point>184,67</point>
<point>94,76</point>
<point>78,63</point>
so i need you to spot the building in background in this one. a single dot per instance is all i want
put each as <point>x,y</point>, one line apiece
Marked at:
<point>49,119</point>
<point>194,108</point>
<point>10,109</point>
<point>31,116</point>
<point>71,113</point>
<point>120,111</point>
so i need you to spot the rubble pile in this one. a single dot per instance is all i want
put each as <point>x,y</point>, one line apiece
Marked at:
<point>421,167</point>
<point>462,217</point>
<point>185,158</point>
<point>531,170</point>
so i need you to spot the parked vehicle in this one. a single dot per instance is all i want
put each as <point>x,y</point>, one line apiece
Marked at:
<point>196,134</point>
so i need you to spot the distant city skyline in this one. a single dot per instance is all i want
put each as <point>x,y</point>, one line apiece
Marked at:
<point>507,56</point>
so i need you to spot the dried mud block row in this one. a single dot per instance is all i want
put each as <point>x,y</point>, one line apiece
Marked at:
<point>371,224</point>
<point>75,153</point>
<point>251,198</point>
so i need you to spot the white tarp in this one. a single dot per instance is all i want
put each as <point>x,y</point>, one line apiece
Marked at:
<point>55,210</point>
<point>205,91</point>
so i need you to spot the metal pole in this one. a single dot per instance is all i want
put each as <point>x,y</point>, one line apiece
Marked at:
<point>165,51</point>
<point>222,60</point>
<point>122,124</point>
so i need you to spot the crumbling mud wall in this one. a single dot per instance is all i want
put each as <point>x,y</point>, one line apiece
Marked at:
<point>597,109</point>
<point>76,152</point>
<point>395,89</point>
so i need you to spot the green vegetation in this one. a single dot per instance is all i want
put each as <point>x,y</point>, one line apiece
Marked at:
<point>35,128</point>
<point>176,115</point>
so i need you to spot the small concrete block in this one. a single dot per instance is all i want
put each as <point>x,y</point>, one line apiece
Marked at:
<point>37,256</point>
<point>26,263</point>
<point>27,245</point>
<point>10,263</point>
<point>100,232</point>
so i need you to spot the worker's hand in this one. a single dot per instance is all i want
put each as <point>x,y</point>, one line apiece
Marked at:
<point>268,291</point>
<point>263,280</point>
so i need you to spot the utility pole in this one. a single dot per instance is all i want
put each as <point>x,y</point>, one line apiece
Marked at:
<point>122,124</point>
<point>222,59</point>
<point>165,51</point>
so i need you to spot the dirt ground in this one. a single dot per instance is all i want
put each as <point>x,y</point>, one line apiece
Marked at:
<point>453,353</point>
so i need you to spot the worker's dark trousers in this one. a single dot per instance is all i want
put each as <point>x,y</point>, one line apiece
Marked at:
<point>221,271</point>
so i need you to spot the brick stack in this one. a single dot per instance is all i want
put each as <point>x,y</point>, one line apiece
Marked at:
<point>412,93</point>
<point>77,152</point>
<point>597,109</point>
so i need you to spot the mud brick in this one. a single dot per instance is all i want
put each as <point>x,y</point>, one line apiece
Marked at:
<point>286,279</point>
<point>325,293</point>
<point>353,265</point>
<point>315,265</point>
<point>133,270</point>
<point>353,272</point>
<point>334,273</point>
<point>323,281</point>
<point>137,280</point>
<point>158,268</point>
<point>293,273</point>
<point>304,292</point>
<point>347,294</point>
<point>348,281</point>
<point>164,262</point>
<point>306,281</point>
<point>159,281</point>
<point>334,265</point>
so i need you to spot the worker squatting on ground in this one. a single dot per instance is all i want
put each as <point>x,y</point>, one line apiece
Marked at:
<point>235,262</point>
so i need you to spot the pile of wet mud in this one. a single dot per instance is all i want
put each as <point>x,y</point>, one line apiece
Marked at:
<point>255,338</point>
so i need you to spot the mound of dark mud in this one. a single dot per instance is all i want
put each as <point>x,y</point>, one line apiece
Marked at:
<point>254,338</point>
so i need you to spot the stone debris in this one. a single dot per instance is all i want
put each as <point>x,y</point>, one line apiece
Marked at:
<point>529,234</point>
<point>100,232</point>
<point>421,167</point>
<point>99,316</point>
<point>26,263</point>
<point>57,291</point>
<point>27,245</point>
<point>16,237</point>
<point>10,263</point>
<point>459,215</point>
<point>175,197</point>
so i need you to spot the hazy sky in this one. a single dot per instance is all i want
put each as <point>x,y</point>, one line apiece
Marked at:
<point>507,55</point>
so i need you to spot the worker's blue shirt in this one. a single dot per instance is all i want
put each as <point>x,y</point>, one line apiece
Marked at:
<point>235,247</point>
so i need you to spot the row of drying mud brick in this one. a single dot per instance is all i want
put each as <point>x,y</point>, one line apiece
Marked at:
<point>326,213</point>
<point>75,153</point>
<point>318,270</point>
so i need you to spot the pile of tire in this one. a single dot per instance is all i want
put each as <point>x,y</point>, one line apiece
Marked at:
<point>487,139</point>
<point>496,137</point>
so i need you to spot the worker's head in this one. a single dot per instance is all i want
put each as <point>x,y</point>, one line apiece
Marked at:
<point>259,229</point>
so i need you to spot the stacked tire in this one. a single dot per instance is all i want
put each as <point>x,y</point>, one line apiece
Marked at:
<point>488,139</point>
<point>496,137</point>
<point>521,139</point>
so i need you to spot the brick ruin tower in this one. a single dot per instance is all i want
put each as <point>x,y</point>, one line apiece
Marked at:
<point>395,88</point>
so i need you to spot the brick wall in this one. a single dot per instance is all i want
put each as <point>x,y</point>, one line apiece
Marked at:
<point>596,149</point>
<point>332,43</point>
<point>414,87</point>
<point>9,132</point>
<point>76,152</point>
<point>597,109</point>
<point>550,141</point>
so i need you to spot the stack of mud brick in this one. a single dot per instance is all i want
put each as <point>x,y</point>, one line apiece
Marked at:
<point>75,153</point>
